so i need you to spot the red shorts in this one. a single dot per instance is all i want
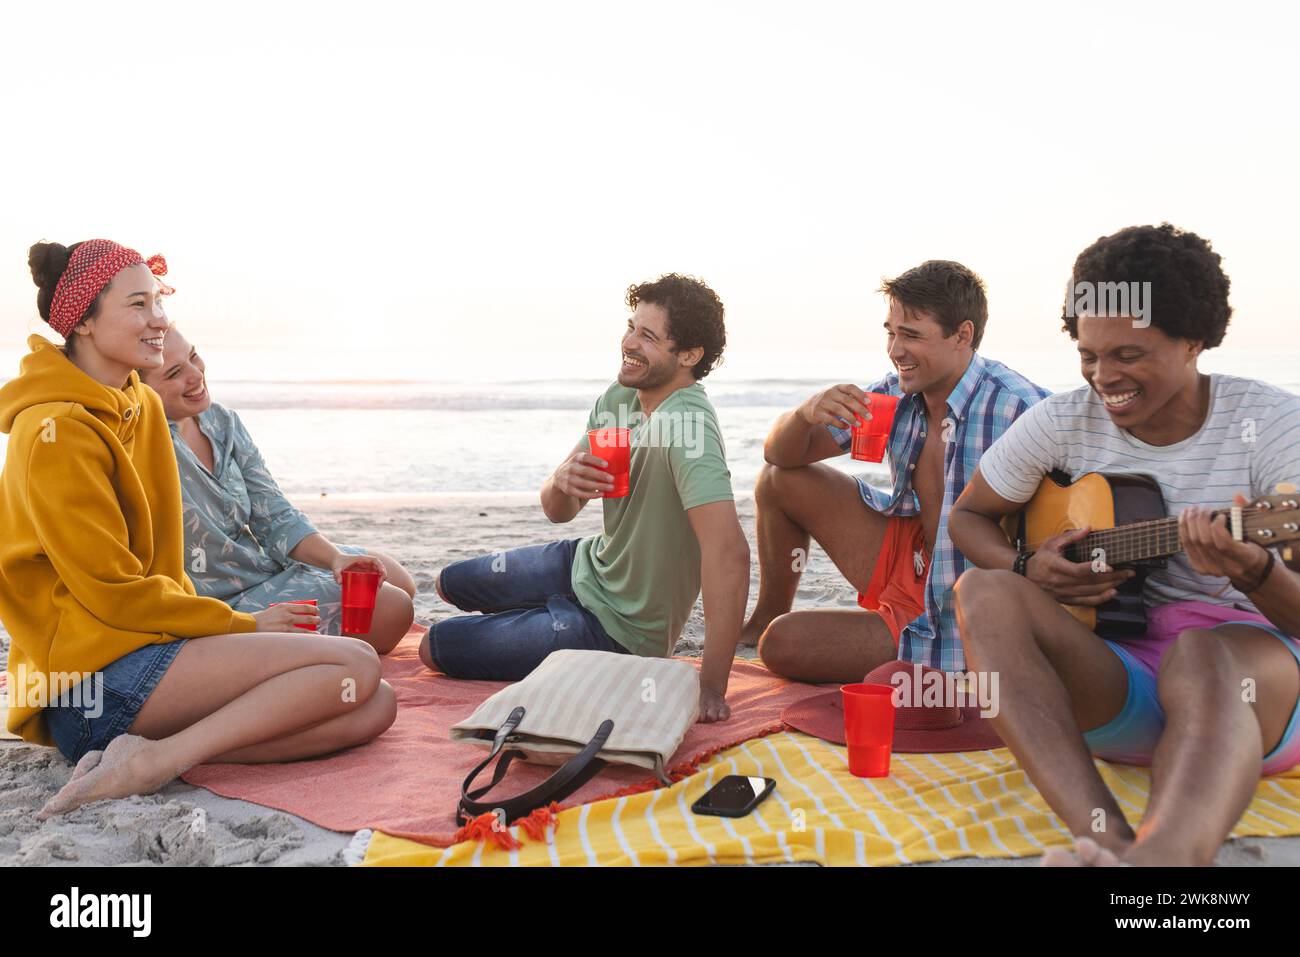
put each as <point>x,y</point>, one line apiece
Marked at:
<point>896,591</point>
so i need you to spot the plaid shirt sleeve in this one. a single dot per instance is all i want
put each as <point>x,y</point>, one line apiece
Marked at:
<point>1001,397</point>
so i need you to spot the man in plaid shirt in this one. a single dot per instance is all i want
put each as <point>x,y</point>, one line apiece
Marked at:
<point>893,547</point>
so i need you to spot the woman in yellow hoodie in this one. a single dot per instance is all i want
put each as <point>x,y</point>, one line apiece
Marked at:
<point>114,658</point>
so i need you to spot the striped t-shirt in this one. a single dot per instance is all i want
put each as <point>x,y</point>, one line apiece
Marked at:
<point>1249,443</point>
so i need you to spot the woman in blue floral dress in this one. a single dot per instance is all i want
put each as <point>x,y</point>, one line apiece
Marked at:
<point>245,543</point>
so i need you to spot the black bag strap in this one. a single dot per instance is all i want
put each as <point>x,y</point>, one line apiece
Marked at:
<point>570,776</point>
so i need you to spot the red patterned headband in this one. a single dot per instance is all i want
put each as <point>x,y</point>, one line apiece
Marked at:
<point>91,267</point>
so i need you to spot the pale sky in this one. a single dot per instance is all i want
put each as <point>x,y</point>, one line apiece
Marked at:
<point>462,180</point>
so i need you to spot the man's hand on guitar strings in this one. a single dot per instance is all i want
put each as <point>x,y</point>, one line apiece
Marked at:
<point>1212,550</point>
<point>1073,583</point>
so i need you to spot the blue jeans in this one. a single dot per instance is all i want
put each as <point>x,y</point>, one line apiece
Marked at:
<point>531,610</point>
<point>79,725</point>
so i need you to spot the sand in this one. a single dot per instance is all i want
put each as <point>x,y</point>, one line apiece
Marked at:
<point>185,825</point>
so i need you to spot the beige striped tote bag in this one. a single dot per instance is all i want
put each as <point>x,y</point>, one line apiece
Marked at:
<point>580,710</point>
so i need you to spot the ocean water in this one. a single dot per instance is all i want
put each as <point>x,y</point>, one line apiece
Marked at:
<point>475,430</point>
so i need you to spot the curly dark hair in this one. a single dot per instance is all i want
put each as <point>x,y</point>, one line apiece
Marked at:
<point>1189,290</point>
<point>694,315</point>
<point>947,289</point>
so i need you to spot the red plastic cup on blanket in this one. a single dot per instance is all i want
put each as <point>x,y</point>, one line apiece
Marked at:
<point>871,437</point>
<point>359,591</point>
<point>305,601</point>
<point>869,728</point>
<point>615,447</point>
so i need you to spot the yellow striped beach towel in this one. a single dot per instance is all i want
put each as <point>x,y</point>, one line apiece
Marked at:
<point>933,807</point>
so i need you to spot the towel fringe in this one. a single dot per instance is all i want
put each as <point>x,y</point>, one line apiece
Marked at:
<point>535,824</point>
<point>485,828</point>
<point>692,766</point>
<point>355,853</point>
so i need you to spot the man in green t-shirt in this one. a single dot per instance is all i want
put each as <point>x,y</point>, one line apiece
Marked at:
<point>631,588</point>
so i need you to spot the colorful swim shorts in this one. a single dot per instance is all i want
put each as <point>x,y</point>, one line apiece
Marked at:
<point>1131,736</point>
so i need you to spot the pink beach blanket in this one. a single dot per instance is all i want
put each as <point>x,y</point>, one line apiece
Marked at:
<point>407,781</point>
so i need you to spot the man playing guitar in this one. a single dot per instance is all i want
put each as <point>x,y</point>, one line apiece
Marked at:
<point>1208,697</point>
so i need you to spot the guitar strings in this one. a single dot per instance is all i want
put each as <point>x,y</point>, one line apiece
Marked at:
<point>1135,541</point>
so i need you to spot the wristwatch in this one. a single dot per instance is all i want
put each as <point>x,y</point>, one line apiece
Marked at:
<point>1021,567</point>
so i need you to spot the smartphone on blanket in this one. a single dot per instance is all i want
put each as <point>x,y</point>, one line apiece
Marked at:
<point>734,796</point>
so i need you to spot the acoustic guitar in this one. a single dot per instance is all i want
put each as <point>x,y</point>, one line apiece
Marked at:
<point>1131,528</point>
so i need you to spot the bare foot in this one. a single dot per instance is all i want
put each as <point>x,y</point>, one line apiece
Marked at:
<point>753,630</point>
<point>1087,853</point>
<point>126,767</point>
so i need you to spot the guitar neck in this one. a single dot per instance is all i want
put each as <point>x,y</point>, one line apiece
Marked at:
<point>1127,544</point>
<point>1269,521</point>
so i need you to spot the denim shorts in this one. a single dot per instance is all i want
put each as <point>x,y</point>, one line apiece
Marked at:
<point>79,724</point>
<point>529,610</point>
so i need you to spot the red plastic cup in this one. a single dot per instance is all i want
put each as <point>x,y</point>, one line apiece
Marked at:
<point>871,438</point>
<point>359,591</point>
<point>869,728</point>
<point>305,601</point>
<point>615,447</point>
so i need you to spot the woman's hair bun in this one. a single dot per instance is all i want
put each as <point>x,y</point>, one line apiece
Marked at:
<point>47,262</point>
